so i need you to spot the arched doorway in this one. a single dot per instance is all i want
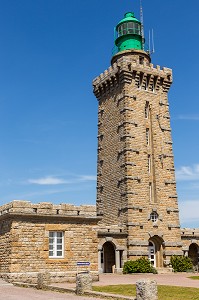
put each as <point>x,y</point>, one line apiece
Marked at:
<point>108,257</point>
<point>155,249</point>
<point>193,253</point>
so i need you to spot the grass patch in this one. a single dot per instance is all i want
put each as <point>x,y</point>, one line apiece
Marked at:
<point>194,277</point>
<point>164,292</point>
<point>123,289</point>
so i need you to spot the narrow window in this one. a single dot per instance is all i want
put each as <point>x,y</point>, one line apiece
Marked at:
<point>56,244</point>
<point>147,136</point>
<point>149,163</point>
<point>102,257</point>
<point>146,110</point>
<point>141,60</point>
<point>121,260</point>
<point>150,191</point>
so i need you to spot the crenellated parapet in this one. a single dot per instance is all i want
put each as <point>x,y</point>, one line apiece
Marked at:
<point>146,76</point>
<point>190,232</point>
<point>46,208</point>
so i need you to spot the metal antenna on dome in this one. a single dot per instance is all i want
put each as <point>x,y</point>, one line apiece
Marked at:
<point>153,46</point>
<point>151,42</point>
<point>142,24</point>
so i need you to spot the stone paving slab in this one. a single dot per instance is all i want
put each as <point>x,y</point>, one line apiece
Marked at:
<point>174,279</point>
<point>11,292</point>
<point>2,283</point>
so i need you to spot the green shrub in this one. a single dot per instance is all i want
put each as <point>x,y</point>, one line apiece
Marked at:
<point>154,270</point>
<point>130,267</point>
<point>181,263</point>
<point>141,265</point>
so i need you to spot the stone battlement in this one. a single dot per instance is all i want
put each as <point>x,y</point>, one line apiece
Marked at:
<point>47,208</point>
<point>190,232</point>
<point>129,64</point>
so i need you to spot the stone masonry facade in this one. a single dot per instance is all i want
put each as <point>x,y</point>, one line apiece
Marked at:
<point>136,212</point>
<point>24,240</point>
<point>135,174</point>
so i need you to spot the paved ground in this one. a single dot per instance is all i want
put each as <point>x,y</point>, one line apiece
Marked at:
<point>10,292</point>
<point>162,279</point>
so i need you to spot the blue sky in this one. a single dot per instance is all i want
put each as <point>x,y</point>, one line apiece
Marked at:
<point>50,50</point>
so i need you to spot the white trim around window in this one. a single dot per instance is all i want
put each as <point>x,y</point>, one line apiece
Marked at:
<point>56,244</point>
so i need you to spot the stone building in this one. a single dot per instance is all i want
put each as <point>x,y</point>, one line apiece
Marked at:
<point>136,186</point>
<point>136,212</point>
<point>42,237</point>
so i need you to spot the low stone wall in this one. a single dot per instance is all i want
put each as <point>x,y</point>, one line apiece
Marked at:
<point>47,208</point>
<point>53,277</point>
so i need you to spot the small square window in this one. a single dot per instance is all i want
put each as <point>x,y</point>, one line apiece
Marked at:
<point>154,216</point>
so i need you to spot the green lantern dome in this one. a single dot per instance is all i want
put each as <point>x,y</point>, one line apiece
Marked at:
<point>128,34</point>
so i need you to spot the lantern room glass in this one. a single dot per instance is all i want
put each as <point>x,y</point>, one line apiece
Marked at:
<point>129,28</point>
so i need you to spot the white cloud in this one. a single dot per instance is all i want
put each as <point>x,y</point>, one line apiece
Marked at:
<point>188,173</point>
<point>189,211</point>
<point>188,117</point>
<point>49,180</point>
<point>88,178</point>
<point>53,180</point>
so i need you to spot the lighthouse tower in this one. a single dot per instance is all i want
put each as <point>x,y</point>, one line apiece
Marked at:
<point>136,186</point>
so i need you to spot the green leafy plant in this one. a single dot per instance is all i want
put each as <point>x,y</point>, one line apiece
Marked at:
<point>141,265</point>
<point>181,263</point>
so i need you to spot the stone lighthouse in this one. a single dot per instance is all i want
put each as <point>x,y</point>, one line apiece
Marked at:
<point>136,186</point>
